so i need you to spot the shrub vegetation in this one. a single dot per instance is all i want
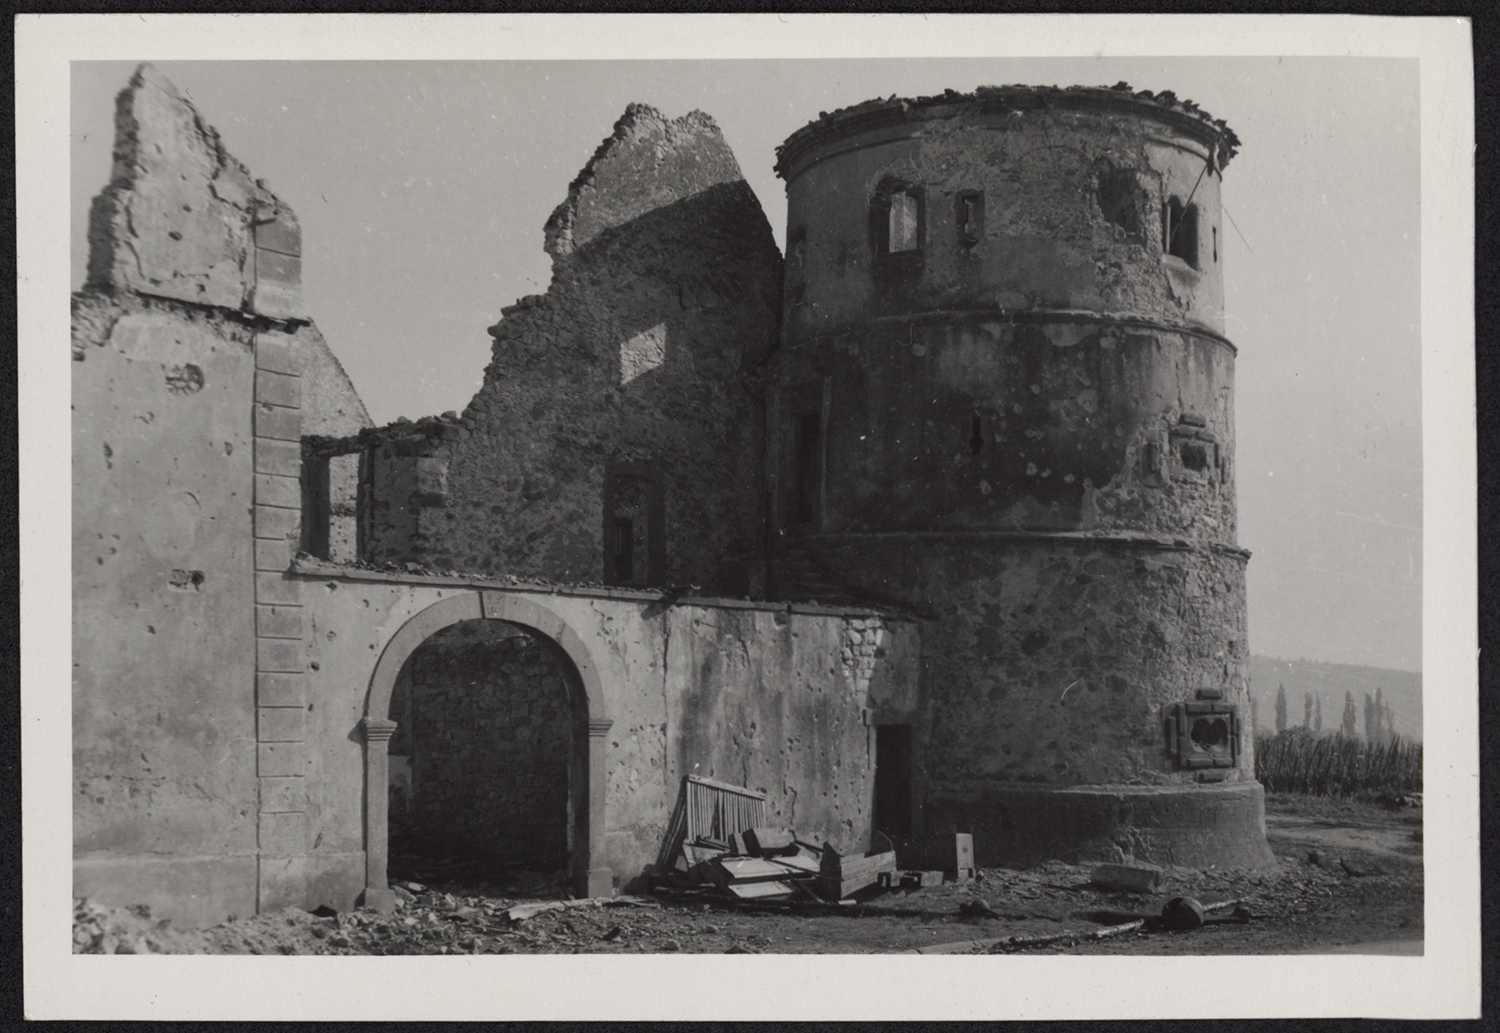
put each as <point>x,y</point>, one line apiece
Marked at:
<point>1336,765</point>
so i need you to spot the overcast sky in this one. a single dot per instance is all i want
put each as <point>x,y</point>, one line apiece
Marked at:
<point>422,188</point>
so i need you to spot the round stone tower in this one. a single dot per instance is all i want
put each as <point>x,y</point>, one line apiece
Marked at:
<point>1004,400</point>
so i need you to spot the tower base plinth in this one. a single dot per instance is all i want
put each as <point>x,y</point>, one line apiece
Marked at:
<point>1189,826</point>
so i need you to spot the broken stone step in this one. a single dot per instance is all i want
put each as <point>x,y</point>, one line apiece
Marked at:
<point>1132,878</point>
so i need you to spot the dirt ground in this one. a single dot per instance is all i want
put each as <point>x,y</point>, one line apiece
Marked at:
<point>1349,879</point>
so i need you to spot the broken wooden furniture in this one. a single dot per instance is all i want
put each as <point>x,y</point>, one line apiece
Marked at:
<point>843,876</point>
<point>707,814</point>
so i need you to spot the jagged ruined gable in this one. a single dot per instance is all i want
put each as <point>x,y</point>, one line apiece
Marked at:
<point>182,219</point>
<point>614,438</point>
<point>647,163</point>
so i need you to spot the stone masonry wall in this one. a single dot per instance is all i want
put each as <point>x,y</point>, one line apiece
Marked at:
<point>1065,193</point>
<point>483,719</point>
<point>1049,662</point>
<point>664,297</point>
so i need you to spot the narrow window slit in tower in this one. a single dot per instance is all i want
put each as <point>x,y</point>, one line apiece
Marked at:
<point>968,216</point>
<point>902,235</point>
<point>807,484</point>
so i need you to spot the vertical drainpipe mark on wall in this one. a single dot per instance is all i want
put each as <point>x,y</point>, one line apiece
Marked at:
<point>666,699</point>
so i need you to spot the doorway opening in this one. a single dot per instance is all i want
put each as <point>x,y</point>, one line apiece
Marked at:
<point>893,780</point>
<point>488,760</point>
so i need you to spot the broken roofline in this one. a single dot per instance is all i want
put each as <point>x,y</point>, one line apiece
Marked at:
<point>306,566</point>
<point>1183,115</point>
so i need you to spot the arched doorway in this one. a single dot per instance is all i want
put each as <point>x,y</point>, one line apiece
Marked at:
<point>482,758</point>
<point>589,721</point>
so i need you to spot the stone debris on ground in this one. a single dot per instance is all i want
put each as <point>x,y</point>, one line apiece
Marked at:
<point>1049,908</point>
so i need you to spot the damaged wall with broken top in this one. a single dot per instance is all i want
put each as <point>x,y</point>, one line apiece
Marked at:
<point>632,367</point>
<point>993,442</point>
<point>196,371</point>
<point>244,764</point>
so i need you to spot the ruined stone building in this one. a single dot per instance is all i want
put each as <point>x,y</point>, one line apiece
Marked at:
<point>927,527</point>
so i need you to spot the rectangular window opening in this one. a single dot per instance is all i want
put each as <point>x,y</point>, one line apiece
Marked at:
<point>902,234</point>
<point>317,507</point>
<point>1180,231</point>
<point>634,527</point>
<point>1194,456</point>
<point>968,217</point>
<point>624,548</point>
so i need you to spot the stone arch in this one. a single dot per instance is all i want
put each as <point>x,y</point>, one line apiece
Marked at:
<point>586,695</point>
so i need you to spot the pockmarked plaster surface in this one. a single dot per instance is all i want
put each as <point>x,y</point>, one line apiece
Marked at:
<point>680,689</point>
<point>186,413</point>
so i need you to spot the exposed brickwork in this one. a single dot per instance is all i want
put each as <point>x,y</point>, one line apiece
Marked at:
<point>483,721</point>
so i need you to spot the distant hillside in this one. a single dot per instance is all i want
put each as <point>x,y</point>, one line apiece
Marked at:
<point>1400,690</point>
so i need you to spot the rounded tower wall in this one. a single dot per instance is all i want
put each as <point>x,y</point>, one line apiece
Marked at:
<point>1004,398</point>
<point>1015,208</point>
<point>989,424</point>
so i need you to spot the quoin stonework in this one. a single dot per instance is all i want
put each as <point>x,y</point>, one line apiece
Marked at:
<point>927,525</point>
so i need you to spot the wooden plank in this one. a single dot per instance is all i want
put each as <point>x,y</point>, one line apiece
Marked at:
<point>726,787</point>
<point>838,889</point>
<point>760,890</point>
<point>800,862</point>
<point>698,852</point>
<point>850,866</point>
<point>742,869</point>
<point>764,840</point>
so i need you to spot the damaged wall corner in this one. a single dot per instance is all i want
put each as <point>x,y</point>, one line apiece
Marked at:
<point>196,368</point>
